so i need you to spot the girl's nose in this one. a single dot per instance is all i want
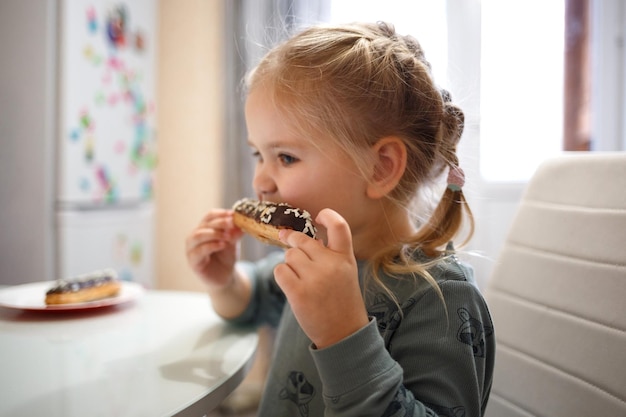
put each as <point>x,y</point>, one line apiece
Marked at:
<point>262,182</point>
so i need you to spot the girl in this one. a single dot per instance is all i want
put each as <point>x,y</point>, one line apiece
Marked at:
<point>376,317</point>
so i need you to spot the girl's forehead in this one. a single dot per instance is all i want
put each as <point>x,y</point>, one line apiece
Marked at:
<point>275,125</point>
<point>279,124</point>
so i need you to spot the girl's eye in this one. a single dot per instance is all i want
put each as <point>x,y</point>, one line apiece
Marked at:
<point>287,159</point>
<point>257,155</point>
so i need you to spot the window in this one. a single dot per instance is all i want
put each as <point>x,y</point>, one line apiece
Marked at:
<point>521,93</point>
<point>425,20</point>
<point>521,96</point>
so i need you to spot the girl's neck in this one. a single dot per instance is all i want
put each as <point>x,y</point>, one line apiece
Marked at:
<point>391,225</point>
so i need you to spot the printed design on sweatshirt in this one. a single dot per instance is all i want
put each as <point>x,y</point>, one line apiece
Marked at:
<point>385,310</point>
<point>442,411</point>
<point>299,391</point>
<point>472,332</point>
<point>403,404</point>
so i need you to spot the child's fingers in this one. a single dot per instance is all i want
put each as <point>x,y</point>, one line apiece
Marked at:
<point>202,235</point>
<point>218,218</point>
<point>295,239</point>
<point>202,243</point>
<point>199,254</point>
<point>215,225</point>
<point>338,234</point>
<point>286,278</point>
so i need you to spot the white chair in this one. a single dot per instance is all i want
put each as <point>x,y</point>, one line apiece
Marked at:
<point>558,294</point>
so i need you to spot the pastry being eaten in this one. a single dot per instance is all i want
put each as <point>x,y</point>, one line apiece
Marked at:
<point>264,219</point>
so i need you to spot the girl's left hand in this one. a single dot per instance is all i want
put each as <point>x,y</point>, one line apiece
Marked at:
<point>321,282</point>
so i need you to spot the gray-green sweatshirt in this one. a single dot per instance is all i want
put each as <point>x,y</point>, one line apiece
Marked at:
<point>426,360</point>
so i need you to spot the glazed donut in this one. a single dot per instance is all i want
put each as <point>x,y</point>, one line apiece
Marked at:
<point>264,219</point>
<point>88,287</point>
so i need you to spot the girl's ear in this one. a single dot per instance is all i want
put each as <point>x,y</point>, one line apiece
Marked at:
<point>389,157</point>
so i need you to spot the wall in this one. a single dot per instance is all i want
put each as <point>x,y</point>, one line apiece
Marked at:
<point>190,126</point>
<point>27,126</point>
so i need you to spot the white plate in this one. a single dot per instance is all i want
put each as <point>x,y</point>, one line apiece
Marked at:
<point>32,297</point>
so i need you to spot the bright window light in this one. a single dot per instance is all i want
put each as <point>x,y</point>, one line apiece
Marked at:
<point>425,20</point>
<point>521,86</point>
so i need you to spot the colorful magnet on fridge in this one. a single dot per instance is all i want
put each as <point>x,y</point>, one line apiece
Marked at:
<point>84,184</point>
<point>139,42</point>
<point>113,99</point>
<point>119,147</point>
<point>86,123</point>
<point>89,149</point>
<point>99,98</point>
<point>115,64</point>
<point>74,135</point>
<point>91,56</point>
<point>125,274</point>
<point>136,254</point>
<point>92,22</point>
<point>147,190</point>
<point>106,184</point>
<point>117,25</point>
<point>120,247</point>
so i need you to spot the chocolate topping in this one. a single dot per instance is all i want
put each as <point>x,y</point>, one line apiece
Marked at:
<point>94,279</point>
<point>280,215</point>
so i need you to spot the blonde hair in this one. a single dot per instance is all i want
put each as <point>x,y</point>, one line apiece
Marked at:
<point>358,83</point>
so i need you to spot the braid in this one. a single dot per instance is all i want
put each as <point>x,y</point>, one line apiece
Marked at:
<point>452,125</point>
<point>436,151</point>
<point>447,218</point>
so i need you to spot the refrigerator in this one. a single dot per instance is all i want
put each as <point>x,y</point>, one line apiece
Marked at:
<point>107,140</point>
<point>99,140</point>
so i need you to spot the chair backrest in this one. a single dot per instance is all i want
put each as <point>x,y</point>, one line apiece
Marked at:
<point>558,294</point>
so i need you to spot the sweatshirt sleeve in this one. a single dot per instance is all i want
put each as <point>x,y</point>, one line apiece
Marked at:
<point>432,364</point>
<point>267,300</point>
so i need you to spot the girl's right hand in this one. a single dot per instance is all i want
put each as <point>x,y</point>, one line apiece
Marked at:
<point>212,247</point>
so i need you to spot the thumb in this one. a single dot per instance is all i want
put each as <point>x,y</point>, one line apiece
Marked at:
<point>338,234</point>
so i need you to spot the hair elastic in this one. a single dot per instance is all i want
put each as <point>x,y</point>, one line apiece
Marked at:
<point>456,178</point>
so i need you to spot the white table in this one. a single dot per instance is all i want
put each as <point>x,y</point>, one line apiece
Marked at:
<point>166,353</point>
